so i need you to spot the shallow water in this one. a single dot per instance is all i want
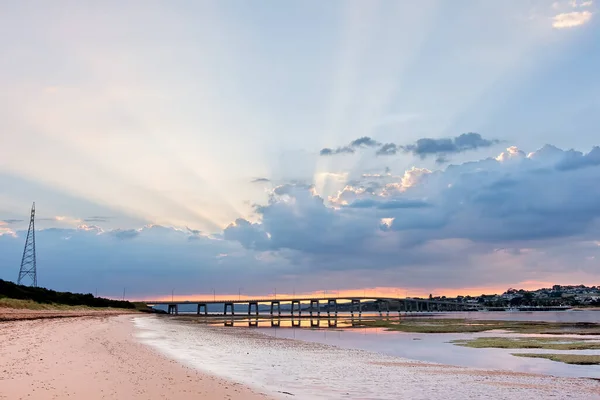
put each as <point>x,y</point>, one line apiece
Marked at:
<point>311,370</point>
<point>539,316</point>
<point>434,347</point>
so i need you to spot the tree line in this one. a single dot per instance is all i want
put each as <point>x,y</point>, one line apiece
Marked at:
<point>48,296</point>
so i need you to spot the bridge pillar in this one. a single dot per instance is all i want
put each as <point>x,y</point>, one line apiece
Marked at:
<point>275,322</point>
<point>173,309</point>
<point>295,323</point>
<point>227,305</point>
<point>294,302</point>
<point>405,305</point>
<point>312,308</point>
<point>255,304</point>
<point>200,307</point>
<point>355,305</point>
<point>314,323</point>
<point>329,303</point>
<point>429,306</point>
<point>380,307</point>
<point>273,303</point>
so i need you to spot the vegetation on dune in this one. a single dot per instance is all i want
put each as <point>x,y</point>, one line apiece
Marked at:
<point>580,359</point>
<point>529,343</point>
<point>33,305</point>
<point>431,325</point>
<point>10,291</point>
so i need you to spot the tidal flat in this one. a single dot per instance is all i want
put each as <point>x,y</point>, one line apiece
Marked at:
<point>575,359</point>
<point>463,325</point>
<point>548,343</point>
<point>335,363</point>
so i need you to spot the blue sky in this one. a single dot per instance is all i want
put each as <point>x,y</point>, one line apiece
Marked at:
<point>195,129</point>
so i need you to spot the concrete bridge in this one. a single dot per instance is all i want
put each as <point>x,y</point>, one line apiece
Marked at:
<point>314,305</point>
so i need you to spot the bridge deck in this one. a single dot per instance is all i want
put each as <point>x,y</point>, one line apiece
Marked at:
<point>302,299</point>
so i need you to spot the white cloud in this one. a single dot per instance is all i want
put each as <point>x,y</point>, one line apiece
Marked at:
<point>7,232</point>
<point>571,19</point>
<point>511,153</point>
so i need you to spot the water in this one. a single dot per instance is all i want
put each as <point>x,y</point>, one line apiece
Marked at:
<point>539,316</point>
<point>360,363</point>
<point>436,348</point>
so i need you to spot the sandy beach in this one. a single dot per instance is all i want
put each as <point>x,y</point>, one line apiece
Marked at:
<point>150,357</point>
<point>97,357</point>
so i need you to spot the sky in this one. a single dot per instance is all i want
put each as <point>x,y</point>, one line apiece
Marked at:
<point>192,148</point>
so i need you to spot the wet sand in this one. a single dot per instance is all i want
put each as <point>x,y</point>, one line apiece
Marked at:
<point>313,370</point>
<point>97,358</point>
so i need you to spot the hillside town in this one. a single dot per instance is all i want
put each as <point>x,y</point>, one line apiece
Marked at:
<point>557,295</point>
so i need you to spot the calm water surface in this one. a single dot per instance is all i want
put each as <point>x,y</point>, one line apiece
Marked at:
<point>436,347</point>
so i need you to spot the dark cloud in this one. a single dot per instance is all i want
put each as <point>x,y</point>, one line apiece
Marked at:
<point>340,150</point>
<point>388,205</point>
<point>388,149</point>
<point>96,218</point>
<point>12,221</point>
<point>260,180</point>
<point>424,147</point>
<point>362,142</point>
<point>467,141</point>
<point>248,234</point>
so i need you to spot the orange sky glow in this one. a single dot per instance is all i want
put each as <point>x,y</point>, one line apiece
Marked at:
<point>365,292</point>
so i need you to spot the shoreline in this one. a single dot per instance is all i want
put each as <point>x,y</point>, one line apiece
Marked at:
<point>140,356</point>
<point>98,357</point>
<point>319,370</point>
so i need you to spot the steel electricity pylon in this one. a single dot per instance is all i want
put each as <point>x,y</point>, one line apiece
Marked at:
<point>28,267</point>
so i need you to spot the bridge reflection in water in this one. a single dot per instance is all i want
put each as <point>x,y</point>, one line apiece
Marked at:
<point>309,312</point>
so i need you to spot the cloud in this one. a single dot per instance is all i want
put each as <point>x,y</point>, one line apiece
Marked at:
<point>388,149</point>
<point>362,142</point>
<point>522,214</point>
<point>423,148</point>
<point>575,159</point>
<point>571,19</point>
<point>548,194</point>
<point>151,265</point>
<point>260,180</point>
<point>12,221</point>
<point>7,232</point>
<point>340,150</point>
<point>96,218</point>
<point>248,234</point>
<point>124,234</point>
<point>388,205</point>
<point>464,142</point>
